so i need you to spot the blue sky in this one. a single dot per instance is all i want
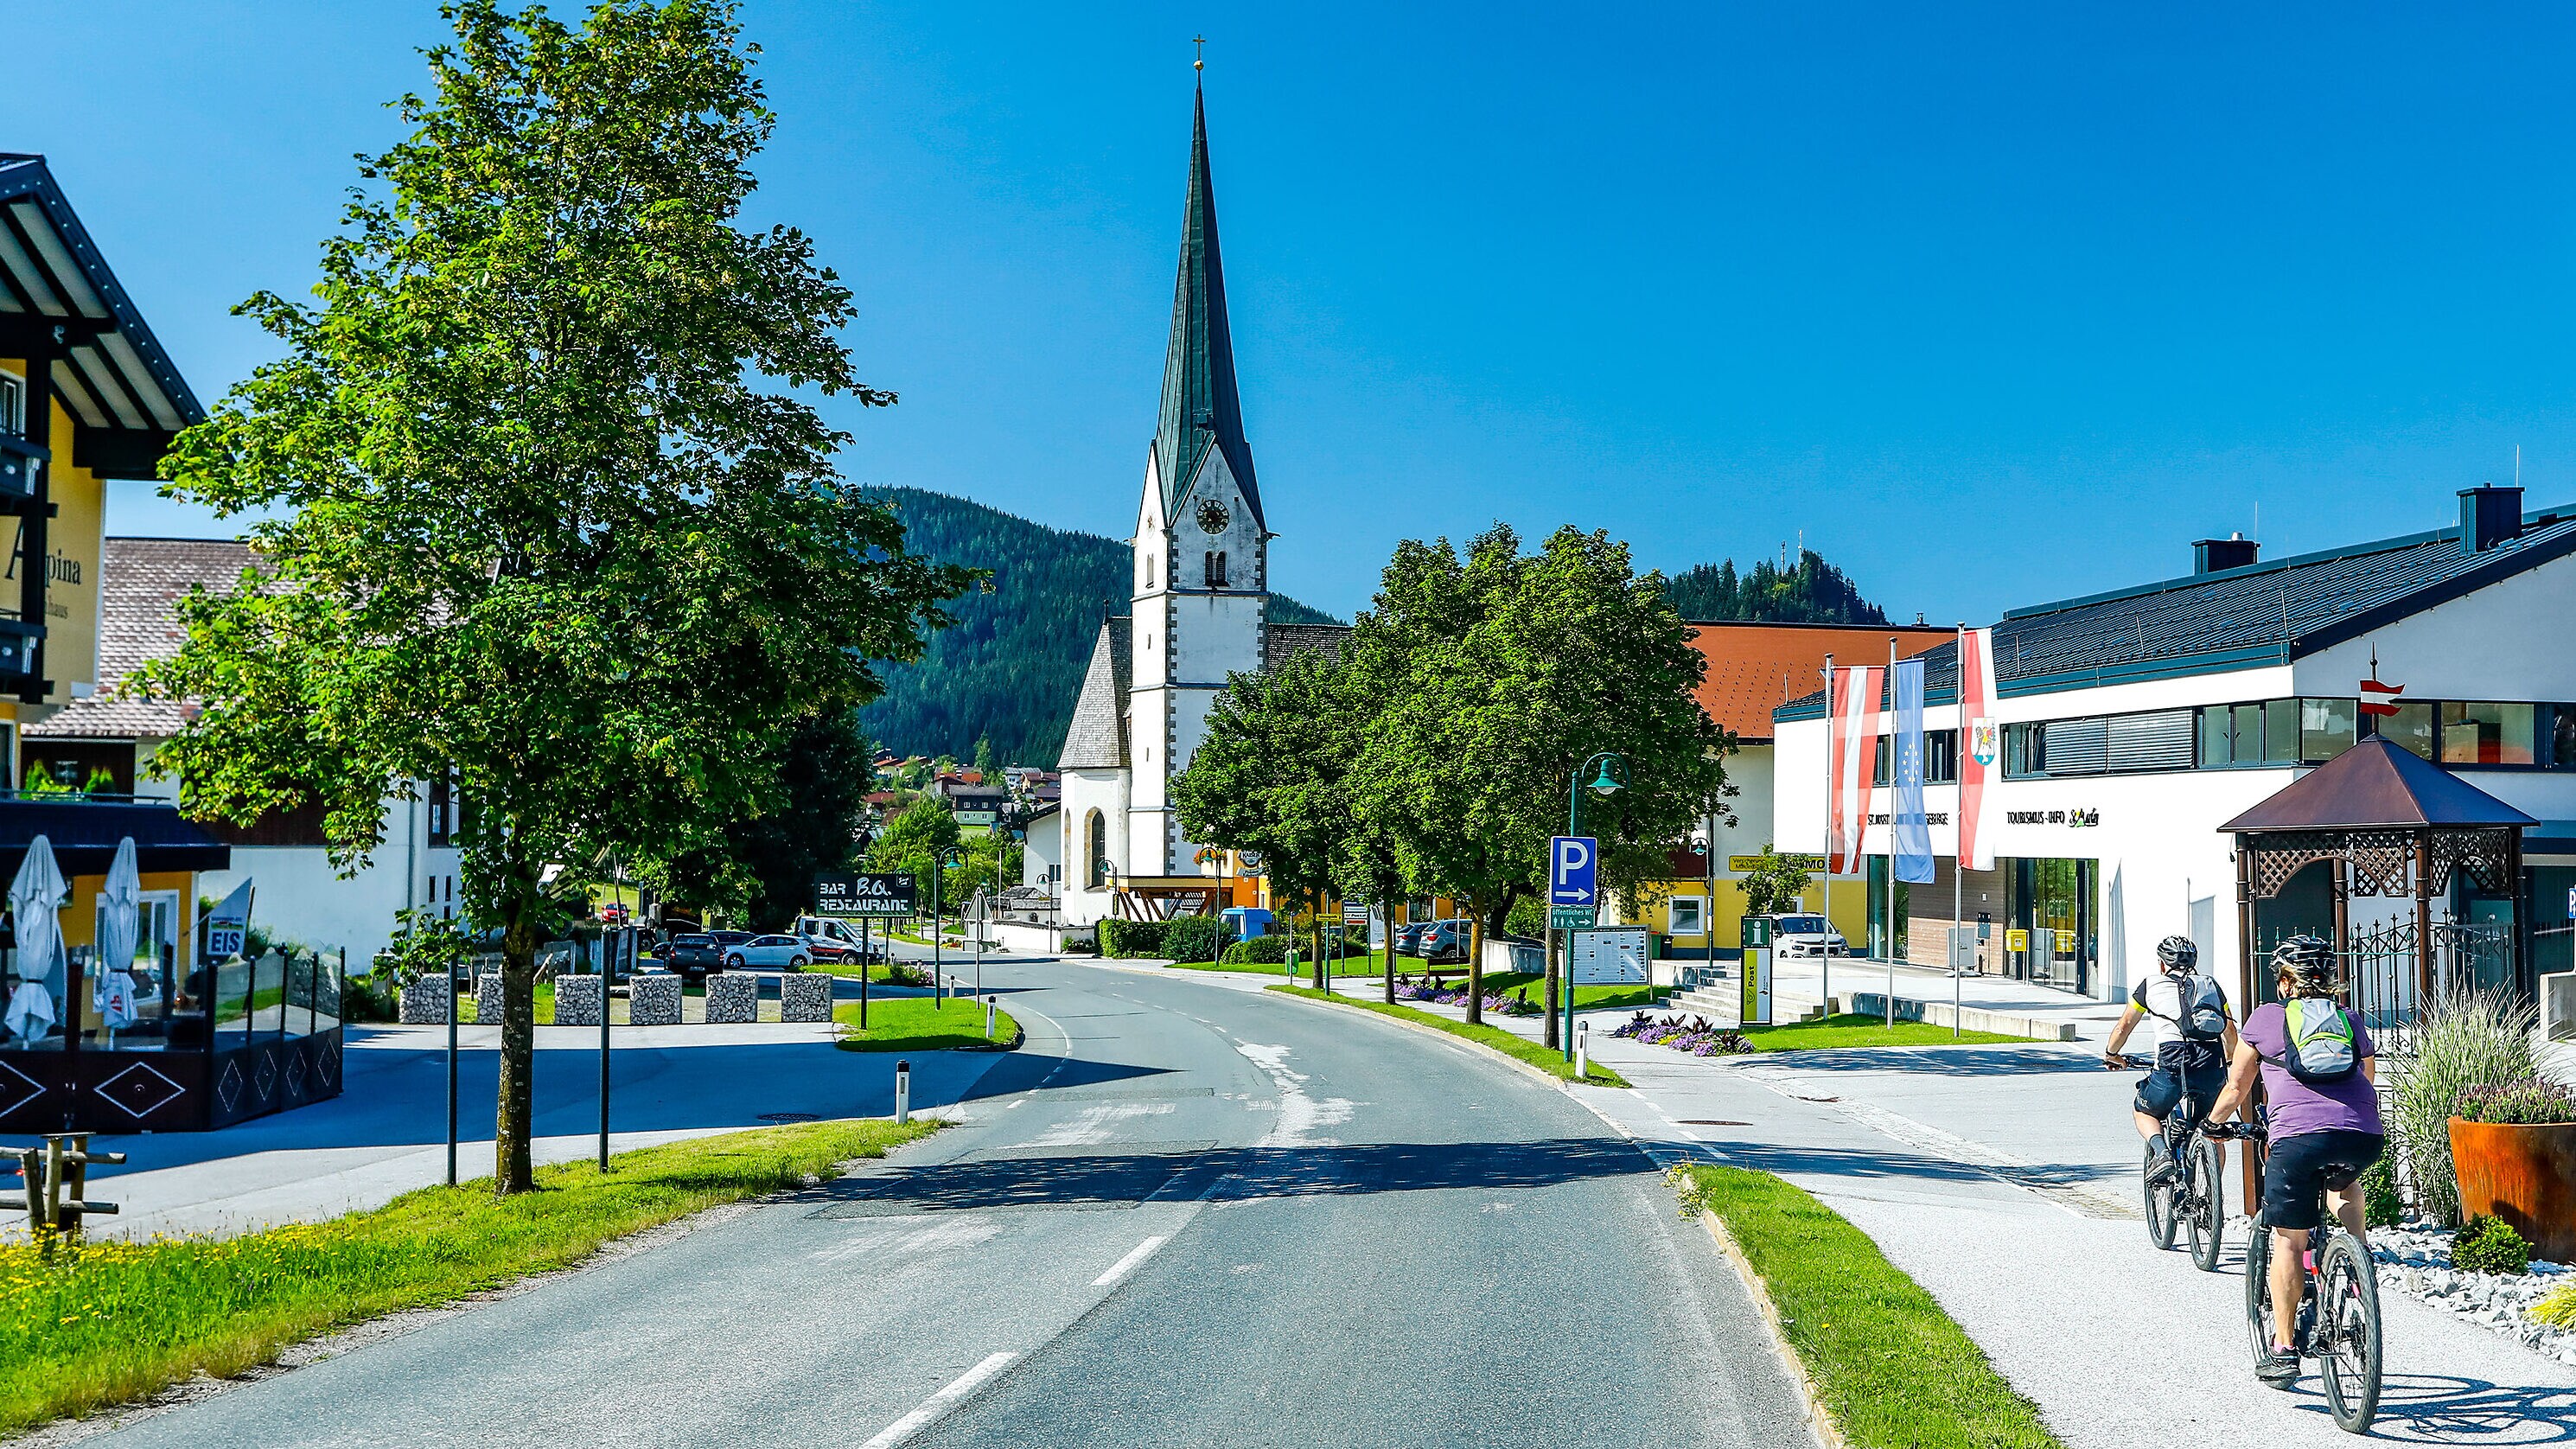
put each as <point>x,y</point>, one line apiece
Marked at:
<point>1993,305</point>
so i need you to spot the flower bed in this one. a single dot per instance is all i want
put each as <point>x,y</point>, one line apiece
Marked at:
<point>1696,1035</point>
<point>1433,990</point>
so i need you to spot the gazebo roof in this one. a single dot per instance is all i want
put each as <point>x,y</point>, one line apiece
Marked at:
<point>2376,785</point>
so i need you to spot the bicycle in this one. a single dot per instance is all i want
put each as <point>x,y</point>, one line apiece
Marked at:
<point>2196,1195</point>
<point>2343,1337</point>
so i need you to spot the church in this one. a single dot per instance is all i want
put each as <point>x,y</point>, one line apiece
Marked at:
<point>1198,611</point>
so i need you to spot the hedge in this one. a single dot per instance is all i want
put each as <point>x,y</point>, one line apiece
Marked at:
<point>1131,938</point>
<point>1192,938</point>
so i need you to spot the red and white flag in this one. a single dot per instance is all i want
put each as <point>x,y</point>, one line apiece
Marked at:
<point>1980,745</point>
<point>1854,729</point>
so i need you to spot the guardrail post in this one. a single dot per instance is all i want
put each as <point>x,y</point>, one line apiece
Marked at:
<point>902,1093</point>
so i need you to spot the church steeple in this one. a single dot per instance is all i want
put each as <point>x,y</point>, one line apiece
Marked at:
<point>1200,408</point>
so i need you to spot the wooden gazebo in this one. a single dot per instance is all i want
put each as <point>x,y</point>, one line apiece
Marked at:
<point>2388,823</point>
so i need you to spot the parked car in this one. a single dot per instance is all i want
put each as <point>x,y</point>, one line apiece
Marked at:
<point>693,955</point>
<point>1443,940</point>
<point>789,953</point>
<point>1802,934</point>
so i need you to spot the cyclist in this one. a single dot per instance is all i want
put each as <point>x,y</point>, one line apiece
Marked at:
<point>2319,1071</point>
<point>2194,1038</point>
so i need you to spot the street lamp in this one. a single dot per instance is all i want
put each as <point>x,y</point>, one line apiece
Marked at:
<point>940,858</point>
<point>1609,772</point>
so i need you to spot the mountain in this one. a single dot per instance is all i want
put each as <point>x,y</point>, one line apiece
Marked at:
<point>1815,592</point>
<point>1010,667</point>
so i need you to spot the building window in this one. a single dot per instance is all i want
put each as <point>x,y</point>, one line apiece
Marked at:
<point>2563,737</point>
<point>2486,733</point>
<point>1149,570</point>
<point>1940,758</point>
<point>442,801</point>
<point>2410,728</point>
<point>13,404</point>
<point>1689,916</point>
<point>1095,833</point>
<point>2325,728</point>
<point>1216,570</point>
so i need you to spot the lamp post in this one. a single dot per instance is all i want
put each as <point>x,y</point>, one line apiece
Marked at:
<point>940,858</point>
<point>1609,772</point>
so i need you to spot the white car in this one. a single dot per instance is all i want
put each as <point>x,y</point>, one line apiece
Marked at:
<point>778,953</point>
<point>1806,935</point>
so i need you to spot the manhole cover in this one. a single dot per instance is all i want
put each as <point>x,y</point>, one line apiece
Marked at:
<point>791,1117</point>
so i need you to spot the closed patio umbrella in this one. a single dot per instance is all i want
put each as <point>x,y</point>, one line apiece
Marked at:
<point>117,928</point>
<point>34,897</point>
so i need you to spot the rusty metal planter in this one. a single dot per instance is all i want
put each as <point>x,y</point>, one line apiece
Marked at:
<point>2523,1175</point>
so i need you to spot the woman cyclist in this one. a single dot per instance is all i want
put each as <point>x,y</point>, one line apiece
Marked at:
<point>2318,1068</point>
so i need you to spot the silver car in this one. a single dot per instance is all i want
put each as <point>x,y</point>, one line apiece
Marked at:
<point>1806,935</point>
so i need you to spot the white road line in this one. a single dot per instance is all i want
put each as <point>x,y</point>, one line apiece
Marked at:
<point>939,1403</point>
<point>1127,1265</point>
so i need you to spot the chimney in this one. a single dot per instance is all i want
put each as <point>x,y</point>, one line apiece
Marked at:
<point>2235,551</point>
<point>2489,516</point>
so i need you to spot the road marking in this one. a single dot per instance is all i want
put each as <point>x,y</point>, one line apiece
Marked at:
<point>1127,1265</point>
<point>1094,1125</point>
<point>893,1239</point>
<point>939,1403</point>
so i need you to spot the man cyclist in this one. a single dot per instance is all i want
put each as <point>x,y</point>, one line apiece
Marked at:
<point>2193,1034</point>
<point>2319,1074</point>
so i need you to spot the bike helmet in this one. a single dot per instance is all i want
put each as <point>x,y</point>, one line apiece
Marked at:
<point>2307,960</point>
<point>2178,953</point>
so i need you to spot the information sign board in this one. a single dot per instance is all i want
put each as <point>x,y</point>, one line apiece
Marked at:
<point>1608,956</point>
<point>1570,918</point>
<point>867,894</point>
<point>1354,914</point>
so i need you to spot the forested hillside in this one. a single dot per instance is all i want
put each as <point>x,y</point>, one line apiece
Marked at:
<point>1815,592</point>
<point>1010,668</point>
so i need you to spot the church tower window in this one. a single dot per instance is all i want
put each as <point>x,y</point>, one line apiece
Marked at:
<point>1096,850</point>
<point>1149,570</point>
<point>1216,569</point>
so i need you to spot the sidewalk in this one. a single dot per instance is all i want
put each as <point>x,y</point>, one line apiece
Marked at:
<point>2004,1180</point>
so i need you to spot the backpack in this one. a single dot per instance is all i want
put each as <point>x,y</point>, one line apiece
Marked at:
<point>2200,1008</point>
<point>2319,1040</point>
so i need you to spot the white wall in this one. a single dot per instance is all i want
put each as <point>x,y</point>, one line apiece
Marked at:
<point>1043,850</point>
<point>1084,792</point>
<point>299,896</point>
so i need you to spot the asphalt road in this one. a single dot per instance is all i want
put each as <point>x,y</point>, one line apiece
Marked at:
<point>1181,1215</point>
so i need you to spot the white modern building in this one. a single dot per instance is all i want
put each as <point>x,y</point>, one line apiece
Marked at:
<point>2137,722</point>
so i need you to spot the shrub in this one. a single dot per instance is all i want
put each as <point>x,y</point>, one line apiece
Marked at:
<point>1131,938</point>
<point>2531,1102</point>
<point>2380,1204</point>
<point>2489,1245</point>
<point>1258,951</point>
<point>2558,1308</point>
<point>1192,938</point>
<point>2464,1040</point>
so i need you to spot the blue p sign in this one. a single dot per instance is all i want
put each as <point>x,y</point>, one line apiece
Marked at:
<point>1571,860</point>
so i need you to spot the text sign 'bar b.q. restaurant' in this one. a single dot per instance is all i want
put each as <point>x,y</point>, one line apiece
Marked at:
<point>864,895</point>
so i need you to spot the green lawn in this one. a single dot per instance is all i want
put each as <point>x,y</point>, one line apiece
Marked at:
<point>1848,1030</point>
<point>1345,967</point>
<point>1586,998</point>
<point>1495,1037</point>
<point>849,970</point>
<point>110,1322</point>
<point>921,1024</point>
<point>1893,1369</point>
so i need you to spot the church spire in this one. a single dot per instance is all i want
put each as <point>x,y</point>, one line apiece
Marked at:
<point>1200,408</point>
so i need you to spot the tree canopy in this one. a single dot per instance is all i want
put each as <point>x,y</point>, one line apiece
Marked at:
<point>548,515</point>
<point>1812,592</point>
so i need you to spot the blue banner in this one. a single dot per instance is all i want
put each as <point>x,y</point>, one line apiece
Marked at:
<point>1911,831</point>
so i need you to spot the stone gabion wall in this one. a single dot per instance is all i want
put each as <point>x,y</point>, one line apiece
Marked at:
<point>487,997</point>
<point>578,998</point>
<point>653,999</point>
<point>424,1001</point>
<point>733,997</point>
<point>804,997</point>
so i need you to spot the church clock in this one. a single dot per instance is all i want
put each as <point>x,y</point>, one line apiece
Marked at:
<point>1212,516</point>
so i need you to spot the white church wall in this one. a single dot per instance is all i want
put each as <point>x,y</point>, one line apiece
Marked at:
<point>1213,636</point>
<point>1086,792</point>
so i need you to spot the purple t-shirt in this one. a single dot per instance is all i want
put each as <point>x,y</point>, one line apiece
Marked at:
<point>2351,1105</point>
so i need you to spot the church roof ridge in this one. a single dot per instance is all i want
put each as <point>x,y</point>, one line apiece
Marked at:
<point>1201,410</point>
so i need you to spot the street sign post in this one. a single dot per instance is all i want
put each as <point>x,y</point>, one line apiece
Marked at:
<point>865,895</point>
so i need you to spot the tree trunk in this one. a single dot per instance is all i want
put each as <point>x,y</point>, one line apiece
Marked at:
<point>1475,965</point>
<point>512,1169</point>
<point>1386,910</point>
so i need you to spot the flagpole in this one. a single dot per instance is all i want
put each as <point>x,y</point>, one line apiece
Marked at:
<point>1891,837</point>
<point>1958,819</point>
<point>1833,843</point>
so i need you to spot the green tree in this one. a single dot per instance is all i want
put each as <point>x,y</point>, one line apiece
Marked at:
<point>984,758</point>
<point>534,520</point>
<point>1773,884</point>
<point>766,865</point>
<point>1503,673</point>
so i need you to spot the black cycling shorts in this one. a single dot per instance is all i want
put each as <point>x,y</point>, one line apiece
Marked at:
<point>2159,1091</point>
<point>2295,1172</point>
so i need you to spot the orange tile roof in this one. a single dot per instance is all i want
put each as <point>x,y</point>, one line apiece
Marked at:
<point>1755,668</point>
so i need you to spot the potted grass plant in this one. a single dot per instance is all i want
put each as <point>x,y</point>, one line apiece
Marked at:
<point>2513,1148</point>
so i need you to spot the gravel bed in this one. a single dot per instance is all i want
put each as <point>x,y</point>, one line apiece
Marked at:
<point>2416,1261</point>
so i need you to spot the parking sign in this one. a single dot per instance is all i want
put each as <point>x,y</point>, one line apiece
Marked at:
<point>1571,863</point>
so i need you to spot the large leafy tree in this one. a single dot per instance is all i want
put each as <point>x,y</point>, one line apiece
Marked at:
<point>1270,776</point>
<point>545,514</point>
<point>765,863</point>
<point>1503,672</point>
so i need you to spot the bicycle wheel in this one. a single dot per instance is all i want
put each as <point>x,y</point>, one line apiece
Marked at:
<point>2348,1332</point>
<point>2206,1190</point>
<point>2258,1292</point>
<point>2160,1201</point>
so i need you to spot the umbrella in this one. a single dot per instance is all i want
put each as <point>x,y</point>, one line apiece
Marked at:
<point>34,896</point>
<point>117,929</point>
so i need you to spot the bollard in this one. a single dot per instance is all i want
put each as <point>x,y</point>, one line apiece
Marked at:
<point>989,1008</point>
<point>902,1093</point>
<point>1582,1050</point>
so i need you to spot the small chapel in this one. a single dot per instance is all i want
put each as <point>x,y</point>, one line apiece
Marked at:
<point>1198,613</point>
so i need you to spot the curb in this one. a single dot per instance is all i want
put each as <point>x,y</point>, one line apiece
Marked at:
<point>1821,1422</point>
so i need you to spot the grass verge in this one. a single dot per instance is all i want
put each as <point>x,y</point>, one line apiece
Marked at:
<point>1866,1031</point>
<point>110,1322</point>
<point>922,1024</point>
<point>1515,1047</point>
<point>1893,1369</point>
<point>1345,967</point>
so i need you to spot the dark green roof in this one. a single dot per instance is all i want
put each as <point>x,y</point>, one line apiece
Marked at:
<point>1200,407</point>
